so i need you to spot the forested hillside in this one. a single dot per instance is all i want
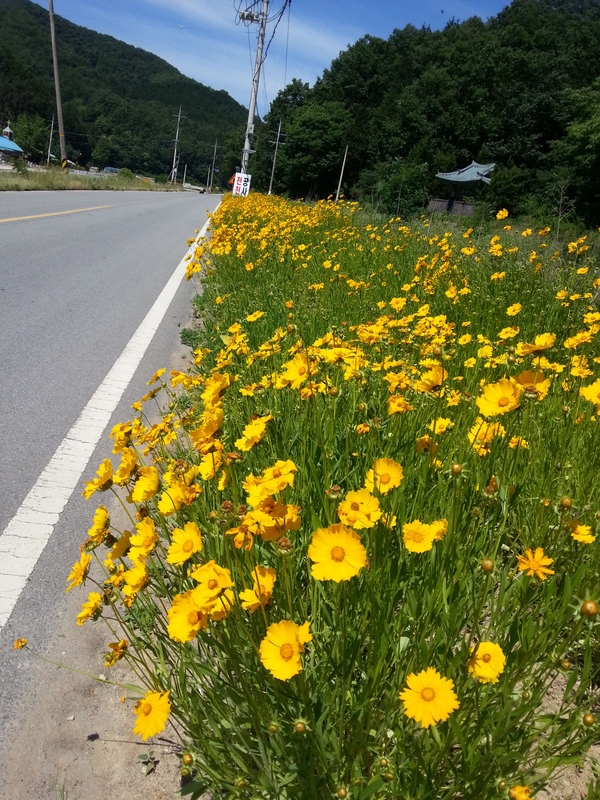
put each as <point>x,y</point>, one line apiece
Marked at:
<point>119,101</point>
<point>522,90</point>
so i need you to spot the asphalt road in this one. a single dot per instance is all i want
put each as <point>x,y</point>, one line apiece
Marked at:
<point>73,289</point>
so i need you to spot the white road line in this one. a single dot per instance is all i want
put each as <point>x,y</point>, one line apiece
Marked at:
<point>28,532</point>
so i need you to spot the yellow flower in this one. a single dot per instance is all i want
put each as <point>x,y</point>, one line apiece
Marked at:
<point>337,554</point>
<point>102,481</point>
<point>187,615</point>
<point>184,543</point>
<point>143,541</point>
<point>253,317</point>
<point>535,563</point>
<point>418,537</point>
<point>487,662</point>
<point>499,398</point>
<point>362,428</point>
<point>19,644</point>
<point>90,607</point>
<point>542,342</point>
<point>359,509</point>
<point>152,713</point>
<point>129,462</point>
<point>591,392</point>
<point>100,525</point>
<point>280,649</point>
<point>260,595</point>
<point>513,310</point>
<point>483,433</point>
<point>386,475</point>
<point>441,425</point>
<point>534,383</point>
<point>79,571</point>
<point>439,528</point>
<point>253,433</point>
<point>431,380</point>
<point>465,339</point>
<point>497,276</point>
<point>582,533</point>
<point>508,333</point>
<point>213,580</point>
<point>146,485</point>
<point>502,214</point>
<point>398,405</point>
<point>429,698</point>
<point>519,793</point>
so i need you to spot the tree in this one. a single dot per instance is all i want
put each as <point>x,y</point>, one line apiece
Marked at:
<point>31,134</point>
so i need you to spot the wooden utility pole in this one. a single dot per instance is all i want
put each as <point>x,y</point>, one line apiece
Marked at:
<point>337,194</point>
<point>61,124</point>
<point>255,81</point>
<point>275,157</point>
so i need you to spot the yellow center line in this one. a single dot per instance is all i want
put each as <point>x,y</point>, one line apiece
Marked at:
<point>55,213</point>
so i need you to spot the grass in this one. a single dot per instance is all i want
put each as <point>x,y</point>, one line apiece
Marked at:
<point>55,180</point>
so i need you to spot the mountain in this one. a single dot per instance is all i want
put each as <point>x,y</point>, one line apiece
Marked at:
<point>521,89</point>
<point>119,102</point>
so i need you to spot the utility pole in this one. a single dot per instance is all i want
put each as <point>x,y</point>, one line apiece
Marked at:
<point>50,140</point>
<point>337,194</point>
<point>255,81</point>
<point>175,167</point>
<point>184,174</point>
<point>275,157</point>
<point>61,125</point>
<point>212,172</point>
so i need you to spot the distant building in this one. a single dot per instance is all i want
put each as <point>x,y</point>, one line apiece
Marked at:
<point>7,144</point>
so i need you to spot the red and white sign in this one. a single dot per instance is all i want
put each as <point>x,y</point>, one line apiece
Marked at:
<point>241,184</point>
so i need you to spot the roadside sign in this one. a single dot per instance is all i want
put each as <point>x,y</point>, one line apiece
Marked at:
<point>241,184</point>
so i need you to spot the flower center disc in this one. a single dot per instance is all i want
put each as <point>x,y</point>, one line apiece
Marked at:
<point>385,478</point>
<point>427,694</point>
<point>146,709</point>
<point>338,554</point>
<point>417,537</point>
<point>213,583</point>
<point>193,617</point>
<point>188,546</point>
<point>503,401</point>
<point>355,507</point>
<point>486,657</point>
<point>286,651</point>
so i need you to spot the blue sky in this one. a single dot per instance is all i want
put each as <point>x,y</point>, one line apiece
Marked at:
<point>201,37</point>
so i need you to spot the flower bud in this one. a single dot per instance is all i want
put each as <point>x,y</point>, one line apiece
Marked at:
<point>383,762</point>
<point>185,772</point>
<point>456,469</point>
<point>487,565</point>
<point>300,727</point>
<point>273,727</point>
<point>334,391</point>
<point>437,351</point>
<point>565,664</point>
<point>526,695</point>
<point>589,608</point>
<point>589,720</point>
<point>284,546</point>
<point>342,793</point>
<point>388,776</point>
<point>511,359</point>
<point>187,759</point>
<point>565,502</point>
<point>361,407</point>
<point>240,783</point>
<point>502,786</point>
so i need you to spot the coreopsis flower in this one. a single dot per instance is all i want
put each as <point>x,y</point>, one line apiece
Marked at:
<point>256,315</point>
<point>213,580</point>
<point>534,383</point>
<point>90,607</point>
<point>337,554</point>
<point>129,461</point>
<point>119,549</point>
<point>418,537</point>
<point>431,380</point>
<point>273,480</point>
<point>100,525</point>
<point>121,433</point>
<point>502,214</point>
<point>184,544</point>
<point>115,653</point>
<point>429,698</point>
<point>263,581</point>
<point>513,310</point>
<point>143,541</point>
<point>152,713</point>
<point>542,342</point>
<point>135,580</point>
<point>499,398</point>
<point>362,428</point>
<point>19,644</point>
<point>398,405</point>
<point>172,498</point>
<point>102,481</point>
<point>591,392</point>
<point>519,793</point>
<point>386,475</point>
<point>582,533</point>
<point>253,433</point>
<point>296,371</point>
<point>487,662</point>
<point>441,425</point>
<point>280,649</point>
<point>187,615</point>
<point>79,571</point>
<point>439,528</point>
<point>535,563</point>
<point>359,510</point>
<point>146,485</point>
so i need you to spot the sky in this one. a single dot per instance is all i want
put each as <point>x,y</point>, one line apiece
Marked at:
<point>205,40</point>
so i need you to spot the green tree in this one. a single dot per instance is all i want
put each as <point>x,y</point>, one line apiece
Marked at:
<point>32,133</point>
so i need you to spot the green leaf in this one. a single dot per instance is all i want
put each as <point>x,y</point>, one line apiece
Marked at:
<point>372,787</point>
